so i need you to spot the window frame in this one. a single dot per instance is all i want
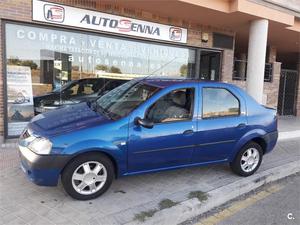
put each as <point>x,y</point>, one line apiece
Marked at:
<point>216,117</point>
<point>184,120</point>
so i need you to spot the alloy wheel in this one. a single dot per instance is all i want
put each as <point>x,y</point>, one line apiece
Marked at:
<point>249,160</point>
<point>89,177</point>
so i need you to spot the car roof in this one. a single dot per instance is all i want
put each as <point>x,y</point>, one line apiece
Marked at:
<point>164,82</point>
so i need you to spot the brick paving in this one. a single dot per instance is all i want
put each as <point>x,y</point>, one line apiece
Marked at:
<point>22,202</point>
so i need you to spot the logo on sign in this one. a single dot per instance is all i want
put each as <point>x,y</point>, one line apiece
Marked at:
<point>54,13</point>
<point>175,33</point>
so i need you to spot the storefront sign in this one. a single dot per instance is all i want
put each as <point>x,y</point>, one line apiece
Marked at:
<point>19,98</point>
<point>75,17</point>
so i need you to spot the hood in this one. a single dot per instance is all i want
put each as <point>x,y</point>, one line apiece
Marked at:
<point>50,99</point>
<point>66,119</point>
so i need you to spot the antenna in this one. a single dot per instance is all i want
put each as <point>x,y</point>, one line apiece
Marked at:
<point>152,73</point>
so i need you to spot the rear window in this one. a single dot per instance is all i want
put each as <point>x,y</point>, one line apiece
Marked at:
<point>219,102</point>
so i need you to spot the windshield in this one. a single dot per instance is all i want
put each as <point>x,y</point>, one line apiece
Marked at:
<point>124,99</point>
<point>60,88</point>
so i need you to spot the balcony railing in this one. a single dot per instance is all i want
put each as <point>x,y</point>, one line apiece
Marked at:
<point>240,71</point>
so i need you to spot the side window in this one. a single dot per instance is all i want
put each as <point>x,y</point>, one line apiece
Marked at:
<point>87,87</point>
<point>73,90</point>
<point>218,102</point>
<point>174,106</point>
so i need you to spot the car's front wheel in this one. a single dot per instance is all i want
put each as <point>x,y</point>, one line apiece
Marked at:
<point>88,176</point>
<point>247,160</point>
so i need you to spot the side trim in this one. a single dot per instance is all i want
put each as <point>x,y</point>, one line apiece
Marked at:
<point>214,143</point>
<point>165,149</point>
<point>186,146</point>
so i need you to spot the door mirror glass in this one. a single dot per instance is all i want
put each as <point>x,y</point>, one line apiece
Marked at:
<point>143,122</point>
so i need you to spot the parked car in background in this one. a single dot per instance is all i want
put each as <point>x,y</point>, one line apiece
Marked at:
<point>75,91</point>
<point>147,125</point>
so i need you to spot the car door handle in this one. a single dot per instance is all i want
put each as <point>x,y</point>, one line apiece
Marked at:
<point>241,125</point>
<point>186,132</point>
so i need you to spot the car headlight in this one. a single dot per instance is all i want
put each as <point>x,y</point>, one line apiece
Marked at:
<point>40,146</point>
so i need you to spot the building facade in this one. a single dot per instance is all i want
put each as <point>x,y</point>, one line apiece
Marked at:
<point>48,45</point>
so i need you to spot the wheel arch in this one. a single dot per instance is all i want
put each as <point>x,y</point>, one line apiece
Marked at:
<point>256,136</point>
<point>94,151</point>
<point>261,141</point>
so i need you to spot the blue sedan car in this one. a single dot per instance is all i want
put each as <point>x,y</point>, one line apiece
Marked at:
<point>146,125</point>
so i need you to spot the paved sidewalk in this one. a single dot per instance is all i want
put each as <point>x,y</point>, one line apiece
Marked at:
<point>288,127</point>
<point>288,123</point>
<point>22,202</point>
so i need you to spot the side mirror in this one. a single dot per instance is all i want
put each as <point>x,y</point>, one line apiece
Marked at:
<point>143,122</point>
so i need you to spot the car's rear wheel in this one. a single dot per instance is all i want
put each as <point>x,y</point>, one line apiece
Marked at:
<point>88,176</point>
<point>247,160</point>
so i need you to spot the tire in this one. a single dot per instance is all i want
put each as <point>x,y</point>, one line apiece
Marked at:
<point>240,165</point>
<point>88,176</point>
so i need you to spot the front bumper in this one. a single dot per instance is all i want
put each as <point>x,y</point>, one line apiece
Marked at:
<point>42,169</point>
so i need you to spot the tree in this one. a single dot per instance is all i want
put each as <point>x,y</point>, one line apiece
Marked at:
<point>183,70</point>
<point>13,61</point>
<point>101,67</point>
<point>29,63</point>
<point>18,62</point>
<point>114,69</point>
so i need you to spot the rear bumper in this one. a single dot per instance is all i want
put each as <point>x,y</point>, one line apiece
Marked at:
<point>42,169</point>
<point>271,140</point>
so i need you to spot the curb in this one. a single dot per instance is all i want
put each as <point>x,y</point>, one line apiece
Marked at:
<point>282,136</point>
<point>192,207</point>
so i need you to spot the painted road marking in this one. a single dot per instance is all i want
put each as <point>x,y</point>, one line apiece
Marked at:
<point>239,205</point>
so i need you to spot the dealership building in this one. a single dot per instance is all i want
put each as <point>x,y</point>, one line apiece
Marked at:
<point>254,44</point>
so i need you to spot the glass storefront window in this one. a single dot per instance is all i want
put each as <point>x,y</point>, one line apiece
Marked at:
<point>48,68</point>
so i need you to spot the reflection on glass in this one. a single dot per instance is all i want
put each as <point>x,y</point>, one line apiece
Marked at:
<point>219,102</point>
<point>124,99</point>
<point>70,67</point>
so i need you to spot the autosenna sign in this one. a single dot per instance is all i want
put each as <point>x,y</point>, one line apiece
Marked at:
<point>88,19</point>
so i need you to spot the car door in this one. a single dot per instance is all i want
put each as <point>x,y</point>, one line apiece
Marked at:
<point>171,140</point>
<point>222,122</point>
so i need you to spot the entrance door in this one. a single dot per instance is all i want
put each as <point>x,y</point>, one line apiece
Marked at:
<point>287,92</point>
<point>210,65</point>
